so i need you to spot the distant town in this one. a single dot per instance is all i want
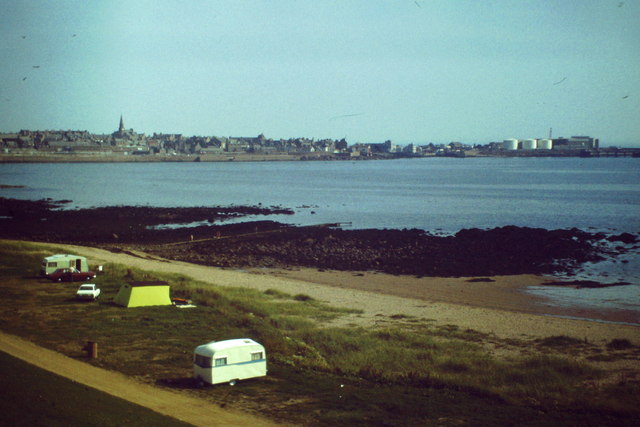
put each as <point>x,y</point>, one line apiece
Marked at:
<point>128,145</point>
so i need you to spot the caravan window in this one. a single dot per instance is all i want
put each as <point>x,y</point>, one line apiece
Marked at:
<point>257,355</point>
<point>52,264</point>
<point>202,361</point>
<point>221,361</point>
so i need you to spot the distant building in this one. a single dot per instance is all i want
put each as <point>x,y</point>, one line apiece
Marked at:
<point>385,147</point>
<point>126,137</point>
<point>576,143</point>
<point>561,144</point>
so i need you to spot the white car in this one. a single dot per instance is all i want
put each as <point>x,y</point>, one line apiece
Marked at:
<point>88,291</point>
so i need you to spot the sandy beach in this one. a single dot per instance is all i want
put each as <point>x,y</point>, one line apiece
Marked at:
<point>500,307</point>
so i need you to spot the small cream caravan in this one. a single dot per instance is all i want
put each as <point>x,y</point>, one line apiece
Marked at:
<point>54,262</point>
<point>229,361</point>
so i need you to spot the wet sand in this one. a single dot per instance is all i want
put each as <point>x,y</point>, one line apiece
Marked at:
<point>497,292</point>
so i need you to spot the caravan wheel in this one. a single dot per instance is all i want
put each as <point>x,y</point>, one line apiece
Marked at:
<point>233,382</point>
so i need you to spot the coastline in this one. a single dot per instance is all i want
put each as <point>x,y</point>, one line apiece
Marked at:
<point>119,158</point>
<point>256,244</point>
<point>498,310</point>
<point>100,157</point>
<point>470,269</point>
<point>504,293</point>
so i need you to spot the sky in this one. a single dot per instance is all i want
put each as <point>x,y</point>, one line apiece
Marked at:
<point>368,71</point>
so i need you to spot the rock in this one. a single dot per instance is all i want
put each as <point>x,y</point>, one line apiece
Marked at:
<point>626,238</point>
<point>470,252</point>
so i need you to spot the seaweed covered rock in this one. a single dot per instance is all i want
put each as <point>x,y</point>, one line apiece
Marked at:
<point>470,252</point>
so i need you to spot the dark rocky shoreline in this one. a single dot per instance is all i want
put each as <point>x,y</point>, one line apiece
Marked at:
<point>499,251</point>
<point>470,252</point>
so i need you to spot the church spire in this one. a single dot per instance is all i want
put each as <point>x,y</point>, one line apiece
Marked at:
<point>121,128</point>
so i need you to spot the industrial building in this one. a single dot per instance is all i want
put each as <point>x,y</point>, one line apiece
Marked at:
<point>560,144</point>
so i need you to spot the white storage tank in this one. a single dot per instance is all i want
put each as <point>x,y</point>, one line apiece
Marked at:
<point>529,144</point>
<point>510,144</point>
<point>545,144</point>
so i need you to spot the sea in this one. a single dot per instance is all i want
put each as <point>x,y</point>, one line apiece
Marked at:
<point>439,195</point>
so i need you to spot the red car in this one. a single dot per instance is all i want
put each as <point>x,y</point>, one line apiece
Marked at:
<point>70,275</point>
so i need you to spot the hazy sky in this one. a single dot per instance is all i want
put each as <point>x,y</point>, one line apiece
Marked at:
<point>409,71</point>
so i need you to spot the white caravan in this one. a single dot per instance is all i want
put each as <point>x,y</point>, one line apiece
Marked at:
<point>229,361</point>
<point>52,263</point>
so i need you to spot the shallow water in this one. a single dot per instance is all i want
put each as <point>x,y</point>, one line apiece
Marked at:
<point>617,298</point>
<point>613,297</point>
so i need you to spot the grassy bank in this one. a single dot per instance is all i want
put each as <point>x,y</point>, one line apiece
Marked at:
<point>411,372</point>
<point>34,397</point>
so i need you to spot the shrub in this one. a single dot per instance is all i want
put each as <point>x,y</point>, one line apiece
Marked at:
<point>619,344</point>
<point>559,341</point>
<point>277,294</point>
<point>454,367</point>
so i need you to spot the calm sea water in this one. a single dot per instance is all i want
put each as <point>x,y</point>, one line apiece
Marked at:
<point>431,194</point>
<point>441,195</point>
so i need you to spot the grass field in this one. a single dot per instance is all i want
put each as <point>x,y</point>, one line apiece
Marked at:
<point>409,373</point>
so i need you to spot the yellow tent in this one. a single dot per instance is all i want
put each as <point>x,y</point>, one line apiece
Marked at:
<point>141,294</point>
